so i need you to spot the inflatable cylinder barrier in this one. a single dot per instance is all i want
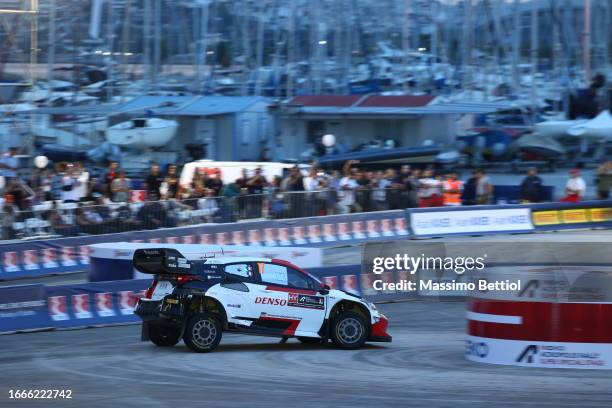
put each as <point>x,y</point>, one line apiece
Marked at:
<point>558,317</point>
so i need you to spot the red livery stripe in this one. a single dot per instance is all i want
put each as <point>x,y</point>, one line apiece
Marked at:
<point>289,331</point>
<point>543,321</point>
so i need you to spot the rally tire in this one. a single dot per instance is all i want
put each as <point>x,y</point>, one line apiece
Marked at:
<point>310,340</point>
<point>164,336</point>
<point>203,332</point>
<point>349,330</point>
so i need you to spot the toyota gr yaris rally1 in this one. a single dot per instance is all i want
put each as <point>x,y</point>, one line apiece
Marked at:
<point>198,299</point>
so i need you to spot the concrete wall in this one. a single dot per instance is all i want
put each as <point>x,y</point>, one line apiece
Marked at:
<point>252,131</point>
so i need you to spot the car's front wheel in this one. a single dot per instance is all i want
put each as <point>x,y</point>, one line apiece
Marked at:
<point>164,336</point>
<point>203,332</point>
<point>349,330</point>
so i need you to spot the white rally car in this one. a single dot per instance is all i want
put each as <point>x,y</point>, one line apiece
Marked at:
<point>197,300</point>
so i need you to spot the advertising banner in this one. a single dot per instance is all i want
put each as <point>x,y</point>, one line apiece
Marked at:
<point>555,216</point>
<point>476,220</point>
<point>539,354</point>
<point>65,255</point>
<point>94,304</point>
<point>23,308</point>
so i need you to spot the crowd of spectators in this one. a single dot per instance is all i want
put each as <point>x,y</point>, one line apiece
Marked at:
<point>70,200</point>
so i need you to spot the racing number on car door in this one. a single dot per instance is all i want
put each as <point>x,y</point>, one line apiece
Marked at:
<point>288,294</point>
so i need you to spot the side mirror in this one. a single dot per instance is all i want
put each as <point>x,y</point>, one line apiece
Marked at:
<point>324,289</point>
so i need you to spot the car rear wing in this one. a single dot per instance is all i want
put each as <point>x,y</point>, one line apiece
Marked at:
<point>162,261</point>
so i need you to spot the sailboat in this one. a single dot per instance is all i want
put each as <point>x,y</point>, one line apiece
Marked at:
<point>598,128</point>
<point>142,133</point>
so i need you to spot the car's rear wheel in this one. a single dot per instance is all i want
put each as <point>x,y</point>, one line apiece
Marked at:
<point>310,340</point>
<point>203,332</point>
<point>349,330</point>
<point>164,336</point>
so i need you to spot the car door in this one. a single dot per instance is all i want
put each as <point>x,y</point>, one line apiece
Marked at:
<point>237,293</point>
<point>287,300</point>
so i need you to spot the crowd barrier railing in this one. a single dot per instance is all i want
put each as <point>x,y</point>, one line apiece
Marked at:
<point>63,255</point>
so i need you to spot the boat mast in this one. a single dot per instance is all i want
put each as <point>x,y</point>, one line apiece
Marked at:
<point>125,39</point>
<point>348,45</point>
<point>147,44</point>
<point>534,57</point>
<point>259,46</point>
<point>467,47</point>
<point>246,44</point>
<point>289,69</point>
<point>433,42</point>
<point>51,44</point>
<point>586,41</point>
<point>157,41</point>
<point>516,44</point>
<point>406,44</point>
<point>110,33</point>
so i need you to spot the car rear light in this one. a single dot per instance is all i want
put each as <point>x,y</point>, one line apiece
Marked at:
<point>180,279</point>
<point>149,292</point>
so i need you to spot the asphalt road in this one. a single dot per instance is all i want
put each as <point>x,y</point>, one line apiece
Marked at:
<point>423,367</point>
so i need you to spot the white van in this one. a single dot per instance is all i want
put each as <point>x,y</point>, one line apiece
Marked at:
<point>230,171</point>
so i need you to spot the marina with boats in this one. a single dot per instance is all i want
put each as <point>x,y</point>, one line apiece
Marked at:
<point>444,83</point>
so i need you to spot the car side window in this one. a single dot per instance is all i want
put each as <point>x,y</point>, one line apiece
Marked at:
<point>282,275</point>
<point>242,270</point>
<point>272,273</point>
<point>299,280</point>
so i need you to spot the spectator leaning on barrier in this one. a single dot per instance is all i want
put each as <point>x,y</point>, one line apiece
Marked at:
<point>153,182</point>
<point>604,180</point>
<point>69,181</point>
<point>8,218</point>
<point>452,188</point>
<point>575,187</point>
<point>363,193</point>
<point>120,188</point>
<point>171,182</point>
<point>82,180</point>
<point>408,186</point>
<point>531,187</point>
<point>484,188</point>
<point>214,182</point>
<point>429,190</point>
<point>379,194</point>
<point>348,185</point>
<point>255,187</point>
<point>294,185</point>
<point>109,176</point>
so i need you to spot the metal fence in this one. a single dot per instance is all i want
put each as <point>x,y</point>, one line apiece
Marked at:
<point>72,219</point>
